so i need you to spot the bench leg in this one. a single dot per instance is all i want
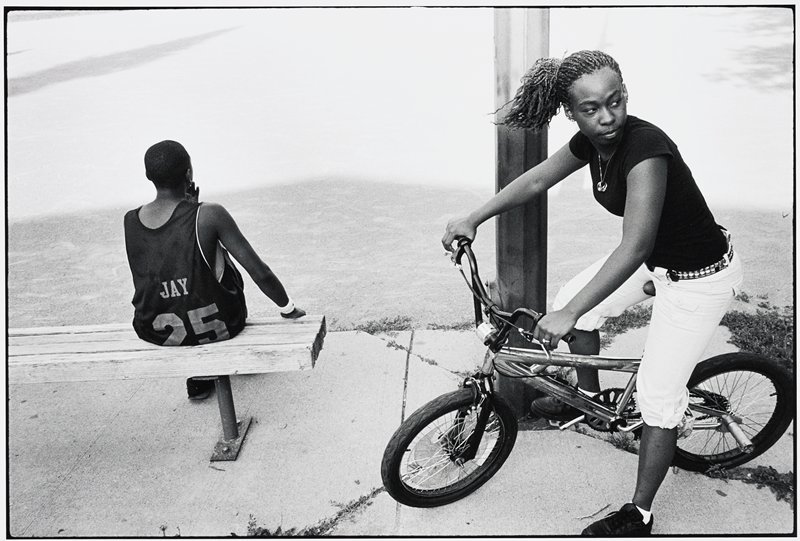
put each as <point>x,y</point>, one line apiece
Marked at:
<point>233,431</point>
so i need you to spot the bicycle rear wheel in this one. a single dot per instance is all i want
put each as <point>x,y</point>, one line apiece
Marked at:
<point>423,464</point>
<point>755,388</point>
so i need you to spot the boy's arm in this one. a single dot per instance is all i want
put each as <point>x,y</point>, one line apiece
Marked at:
<point>228,233</point>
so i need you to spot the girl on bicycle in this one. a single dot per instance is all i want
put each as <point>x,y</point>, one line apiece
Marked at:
<point>670,241</point>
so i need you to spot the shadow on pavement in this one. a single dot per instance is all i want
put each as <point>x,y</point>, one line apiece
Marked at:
<point>96,66</point>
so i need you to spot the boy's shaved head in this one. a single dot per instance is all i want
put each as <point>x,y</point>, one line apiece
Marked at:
<point>166,163</point>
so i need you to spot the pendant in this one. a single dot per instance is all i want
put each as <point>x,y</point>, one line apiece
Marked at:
<point>601,186</point>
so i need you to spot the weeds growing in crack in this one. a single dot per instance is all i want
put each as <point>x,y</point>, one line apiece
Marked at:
<point>394,345</point>
<point>781,484</point>
<point>463,326</point>
<point>323,527</point>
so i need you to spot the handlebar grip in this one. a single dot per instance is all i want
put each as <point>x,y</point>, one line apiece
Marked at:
<point>464,246</point>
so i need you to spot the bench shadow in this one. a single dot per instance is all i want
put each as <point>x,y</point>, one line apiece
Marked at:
<point>96,66</point>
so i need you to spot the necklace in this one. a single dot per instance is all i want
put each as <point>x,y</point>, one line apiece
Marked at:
<point>602,185</point>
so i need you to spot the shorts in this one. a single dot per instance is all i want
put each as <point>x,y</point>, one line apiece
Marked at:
<point>685,317</point>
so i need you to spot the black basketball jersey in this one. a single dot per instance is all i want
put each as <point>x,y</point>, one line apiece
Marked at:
<point>177,299</point>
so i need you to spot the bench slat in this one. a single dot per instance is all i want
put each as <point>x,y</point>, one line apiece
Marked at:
<point>310,321</point>
<point>128,341</point>
<point>103,352</point>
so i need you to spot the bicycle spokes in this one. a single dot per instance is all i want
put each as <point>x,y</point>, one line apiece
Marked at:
<point>436,457</point>
<point>749,397</point>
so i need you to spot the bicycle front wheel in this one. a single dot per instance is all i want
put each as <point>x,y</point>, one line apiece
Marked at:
<point>756,389</point>
<point>424,463</point>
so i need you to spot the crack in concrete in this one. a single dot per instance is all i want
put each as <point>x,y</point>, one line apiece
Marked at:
<point>326,526</point>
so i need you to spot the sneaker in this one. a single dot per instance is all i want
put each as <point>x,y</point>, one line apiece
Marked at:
<point>554,409</point>
<point>199,389</point>
<point>627,522</point>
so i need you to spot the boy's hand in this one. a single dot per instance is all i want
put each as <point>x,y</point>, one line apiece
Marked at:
<point>294,314</point>
<point>192,192</point>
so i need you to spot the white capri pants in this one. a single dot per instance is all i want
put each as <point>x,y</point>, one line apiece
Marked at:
<point>685,316</point>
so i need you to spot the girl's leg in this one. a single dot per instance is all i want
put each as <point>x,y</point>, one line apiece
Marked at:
<point>686,314</point>
<point>586,343</point>
<point>655,457</point>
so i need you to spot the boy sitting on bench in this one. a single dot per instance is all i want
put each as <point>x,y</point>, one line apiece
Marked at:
<point>187,291</point>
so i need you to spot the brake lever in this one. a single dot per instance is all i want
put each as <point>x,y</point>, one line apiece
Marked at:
<point>544,348</point>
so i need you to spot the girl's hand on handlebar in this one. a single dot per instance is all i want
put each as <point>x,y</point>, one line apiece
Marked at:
<point>553,327</point>
<point>458,227</point>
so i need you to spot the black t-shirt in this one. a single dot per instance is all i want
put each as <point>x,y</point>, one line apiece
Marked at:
<point>688,237</point>
<point>177,299</point>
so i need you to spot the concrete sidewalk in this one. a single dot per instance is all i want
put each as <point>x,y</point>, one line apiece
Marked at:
<point>131,458</point>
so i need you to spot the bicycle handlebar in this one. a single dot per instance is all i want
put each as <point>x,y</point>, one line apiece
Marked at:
<point>482,298</point>
<point>478,291</point>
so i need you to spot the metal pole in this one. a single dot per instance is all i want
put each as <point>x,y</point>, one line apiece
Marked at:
<point>230,429</point>
<point>521,36</point>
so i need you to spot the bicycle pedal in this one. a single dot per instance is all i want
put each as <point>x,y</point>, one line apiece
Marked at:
<point>575,421</point>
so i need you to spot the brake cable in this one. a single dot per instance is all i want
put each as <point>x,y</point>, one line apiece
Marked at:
<point>527,335</point>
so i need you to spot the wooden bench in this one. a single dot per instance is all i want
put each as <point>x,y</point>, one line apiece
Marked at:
<point>109,352</point>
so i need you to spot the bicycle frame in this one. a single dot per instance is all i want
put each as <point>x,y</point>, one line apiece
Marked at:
<point>531,363</point>
<point>519,362</point>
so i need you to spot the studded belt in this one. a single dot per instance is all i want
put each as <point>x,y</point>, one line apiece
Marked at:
<point>714,268</point>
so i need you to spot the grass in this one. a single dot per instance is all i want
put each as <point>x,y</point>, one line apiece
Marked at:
<point>633,318</point>
<point>406,323</point>
<point>394,345</point>
<point>386,324</point>
<point>781,484</point>
<point>768,332</point>
<point>625,441</point>
<point>463,326</point>
<point>323,527</point>
<point>163,529</point>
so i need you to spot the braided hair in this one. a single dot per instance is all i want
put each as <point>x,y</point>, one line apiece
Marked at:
<point>545,87</point>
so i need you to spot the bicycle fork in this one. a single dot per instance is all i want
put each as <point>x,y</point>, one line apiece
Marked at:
<point>483,390</point>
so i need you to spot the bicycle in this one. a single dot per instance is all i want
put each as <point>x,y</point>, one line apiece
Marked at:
<point>740,405</point>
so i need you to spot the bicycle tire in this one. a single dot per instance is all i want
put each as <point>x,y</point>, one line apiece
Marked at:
<point>400,469</point>
<point>756,388</point>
